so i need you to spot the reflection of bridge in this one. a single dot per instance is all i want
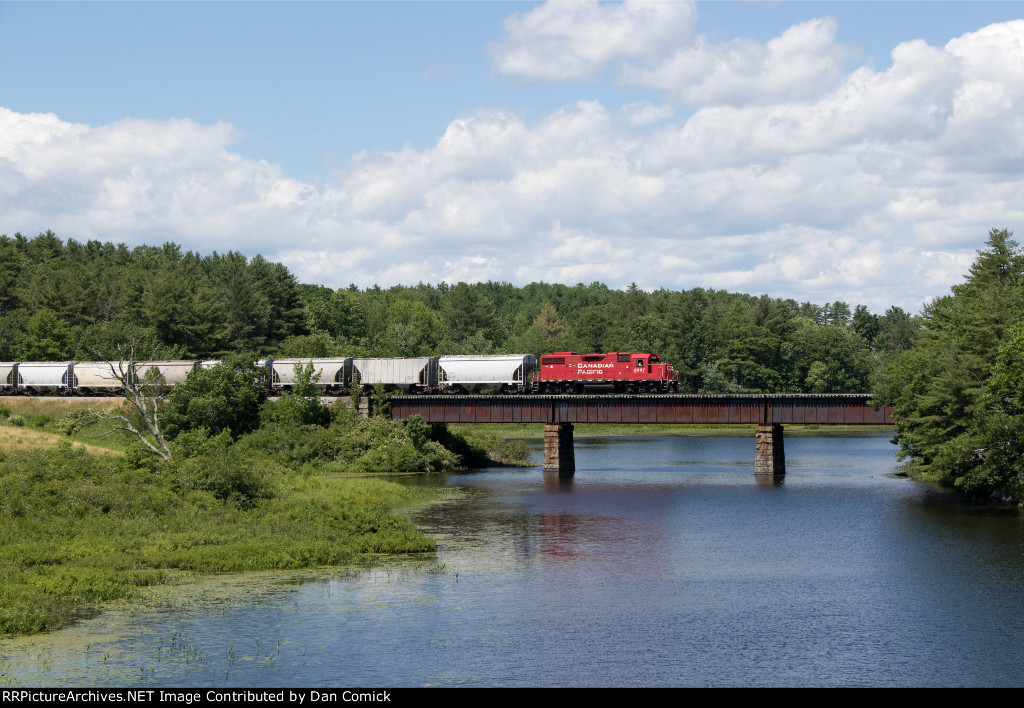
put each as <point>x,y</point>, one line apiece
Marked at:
<point>558,413</point>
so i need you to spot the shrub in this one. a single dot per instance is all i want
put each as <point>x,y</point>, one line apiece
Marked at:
<point>391,449</point>
<point>41,420</point>
<point>198,442</point>
<point>73,422</point>
<point>229,476</point>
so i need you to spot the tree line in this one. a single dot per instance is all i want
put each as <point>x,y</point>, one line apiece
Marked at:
<point>65,300</point>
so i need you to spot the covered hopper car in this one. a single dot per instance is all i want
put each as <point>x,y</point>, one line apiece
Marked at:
<point>472,373</point>
<point>329,375</point>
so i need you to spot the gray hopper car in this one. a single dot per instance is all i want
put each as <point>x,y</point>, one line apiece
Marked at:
<point>471,373</point>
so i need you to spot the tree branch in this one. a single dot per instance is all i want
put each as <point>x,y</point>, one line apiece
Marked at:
<point>143,396</point>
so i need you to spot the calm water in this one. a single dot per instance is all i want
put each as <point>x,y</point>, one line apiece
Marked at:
<point>664,563</point>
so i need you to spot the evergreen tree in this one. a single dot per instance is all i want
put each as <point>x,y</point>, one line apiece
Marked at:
<point>47,338</point>
<point>951,388</point>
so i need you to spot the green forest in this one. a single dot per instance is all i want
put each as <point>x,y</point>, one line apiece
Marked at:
<point>65,300</point>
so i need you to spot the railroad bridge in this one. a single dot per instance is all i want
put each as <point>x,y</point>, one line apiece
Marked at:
<point>769,412</point>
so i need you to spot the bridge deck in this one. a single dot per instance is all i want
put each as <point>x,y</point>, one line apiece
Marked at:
<point>797,409</point>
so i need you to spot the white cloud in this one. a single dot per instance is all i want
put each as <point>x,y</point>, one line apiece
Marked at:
<point>876,187</point>
<point>653,45</point>
<point>798,64</point>
<point>567,41</point>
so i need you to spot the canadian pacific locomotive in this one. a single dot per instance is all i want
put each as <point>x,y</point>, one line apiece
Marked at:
<point>560,372</point>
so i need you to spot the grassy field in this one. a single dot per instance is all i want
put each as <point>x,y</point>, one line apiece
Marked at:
<point>19,438</point>
<point>52,420</point>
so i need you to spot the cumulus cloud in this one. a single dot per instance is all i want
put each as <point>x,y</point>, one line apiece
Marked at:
<point>567,41</point>
<point>876,188</point>
<point>800,63</point>
<point>652,44</point>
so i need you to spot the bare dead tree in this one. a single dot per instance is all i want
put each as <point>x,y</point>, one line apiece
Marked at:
<point>144,391</point>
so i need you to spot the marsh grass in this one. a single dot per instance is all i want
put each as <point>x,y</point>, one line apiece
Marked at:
<point>78,530</point>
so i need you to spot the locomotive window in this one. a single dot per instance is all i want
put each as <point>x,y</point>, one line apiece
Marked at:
<point>639,362</point>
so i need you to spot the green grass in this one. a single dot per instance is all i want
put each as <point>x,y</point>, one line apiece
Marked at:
<point>57,416</point>
<point>77,530</point>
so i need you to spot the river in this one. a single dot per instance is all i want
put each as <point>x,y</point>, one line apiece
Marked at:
<point>663,563</point>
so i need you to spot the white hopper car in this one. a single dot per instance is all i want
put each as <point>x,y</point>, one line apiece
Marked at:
<point>415,374</point>
<point>329,375</point>
<point>472,373</point>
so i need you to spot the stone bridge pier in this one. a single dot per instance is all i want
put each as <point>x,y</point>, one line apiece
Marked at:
<point>559,454</point>
<point>769,452</point>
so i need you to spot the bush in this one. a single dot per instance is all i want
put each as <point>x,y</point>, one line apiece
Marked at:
<point>198,442</point>
<point>476,450</point>
<point>229,476</point>
<point>291,408</point>
<point>302,404</point>
<point>394,448</point>
<point>16,420</point>
<point>138,457</point>
<point>73,422</point>
<point>41,420</point>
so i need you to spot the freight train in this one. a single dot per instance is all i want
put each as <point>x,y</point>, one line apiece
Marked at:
<point>559,372</point>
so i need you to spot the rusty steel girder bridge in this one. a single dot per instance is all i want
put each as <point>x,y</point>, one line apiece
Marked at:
<point>559,413</point>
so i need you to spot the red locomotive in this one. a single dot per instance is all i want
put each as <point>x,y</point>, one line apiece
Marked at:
<point>621,372</point>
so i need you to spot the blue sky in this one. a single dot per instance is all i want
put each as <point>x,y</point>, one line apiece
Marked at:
<point>754,146</point>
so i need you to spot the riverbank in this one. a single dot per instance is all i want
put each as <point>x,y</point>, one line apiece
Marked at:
<point>83,526</point>
<point>80,530</point>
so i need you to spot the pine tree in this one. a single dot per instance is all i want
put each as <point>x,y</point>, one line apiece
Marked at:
<point>944,386</point>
